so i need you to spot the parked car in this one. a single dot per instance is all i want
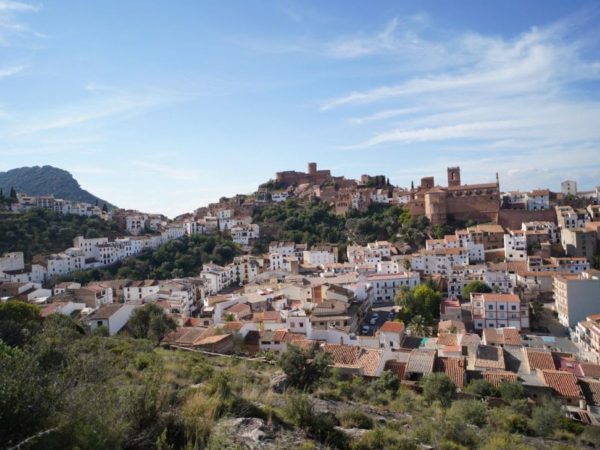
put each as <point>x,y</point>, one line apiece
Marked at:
<point>365,329</point>
<point>373,321</point>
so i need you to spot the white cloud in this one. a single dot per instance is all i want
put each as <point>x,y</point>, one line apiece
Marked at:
<point>530,100</point>
<point>10,71</point>
<point>165,170</point>
<point>109,103</point>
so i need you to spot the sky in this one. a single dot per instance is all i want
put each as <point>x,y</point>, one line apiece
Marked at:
<point>165,106</point>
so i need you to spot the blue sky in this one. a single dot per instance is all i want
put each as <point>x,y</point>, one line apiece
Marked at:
<point>165,106</point>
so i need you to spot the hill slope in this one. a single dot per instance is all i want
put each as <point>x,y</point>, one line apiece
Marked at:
<point>46,180</point>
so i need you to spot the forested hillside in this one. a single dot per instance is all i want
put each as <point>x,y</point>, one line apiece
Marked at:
<point>44,232</point>
<point>175,259</point>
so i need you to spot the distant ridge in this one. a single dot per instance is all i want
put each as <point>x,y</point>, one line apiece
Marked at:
<point>47,180</point>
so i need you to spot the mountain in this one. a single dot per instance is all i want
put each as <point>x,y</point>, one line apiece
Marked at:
<point>46,180</point>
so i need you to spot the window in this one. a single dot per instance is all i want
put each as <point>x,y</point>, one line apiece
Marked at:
<point>513,307</point>
<point>501,307</point>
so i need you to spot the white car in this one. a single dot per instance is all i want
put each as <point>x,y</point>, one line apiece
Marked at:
<point>365,329</point>
<point>373,321</point>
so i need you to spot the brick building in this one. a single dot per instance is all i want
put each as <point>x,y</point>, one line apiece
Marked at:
<point>480,202</point>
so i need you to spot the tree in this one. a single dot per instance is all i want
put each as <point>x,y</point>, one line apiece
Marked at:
<point>19,322</point>
<point>13,194</point>
<point>475,286</point>
<point>105,207</point>
<point>304,368</point>
<point>437,386</point>
<point>422,301</point>
<point>150,322</point>
<point>418,327</point>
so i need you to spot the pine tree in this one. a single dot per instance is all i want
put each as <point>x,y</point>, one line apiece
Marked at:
<point>13,193</point>
<point>104,207</point>
<point>412,185</point>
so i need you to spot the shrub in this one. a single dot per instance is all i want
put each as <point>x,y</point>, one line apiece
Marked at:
<point>511,391</point>
<point>304,368</point>
<point>437,386</point>
<point>354,418</point>
<point>201,372</point>
<point>507,419</point>
<point>473,412</point>
<point>482,388</point>
<point>383,438</point>
<point>545,418</point>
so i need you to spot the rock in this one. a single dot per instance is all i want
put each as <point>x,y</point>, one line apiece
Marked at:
<point>353,433</point>
<point>250,432</point>
<point>279,382</point>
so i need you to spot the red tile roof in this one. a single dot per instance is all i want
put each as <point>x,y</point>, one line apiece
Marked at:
<point>447,325</point>
<point>454,368</point>
<point>562,383</point>
<point>497,377</point>
<point>590,370</point>
<point>392,327</point>
<point>501,336</point>
<point>539,359</point>
<point>447,339</point>
<point>354,357</point>
<point>396,367</point>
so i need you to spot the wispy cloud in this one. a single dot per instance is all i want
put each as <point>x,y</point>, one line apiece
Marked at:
<point>109,103</point>
<point>534,91</point>
<point>10,71</point>
<point>165,170</point>
<point>386,114</point>
<point>10,25</point>
<point>6,5</point>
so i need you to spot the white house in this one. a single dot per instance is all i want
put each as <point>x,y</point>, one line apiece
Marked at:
<point>515,246</point>
<point>386,286</point>
<point>114,317</point>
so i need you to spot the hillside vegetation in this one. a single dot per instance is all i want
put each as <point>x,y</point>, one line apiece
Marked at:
<point>63,387</point>
<point>44,232</point>
<point>46,180</point>
<point>175,259</point>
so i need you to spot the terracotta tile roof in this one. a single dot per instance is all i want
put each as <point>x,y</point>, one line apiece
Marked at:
<point>213,339</point>
<point>279,335</point>
<point>232,326</point>
<point>539,359</point>
<point>342,354</point>
<point>272,316</point>
<point>590,370</point>
<point>501,336</point>
<point>491,297</point>
<point>591,391</point>
<point>454,368</point>
<point>489,357</point>
<point>396,367</point>
<point>447,325</point>
<point>562,383</point>
<point>496,377</point>
<point>392,327</point>
<point>447,339</point>
<point>238,308</point>
<point>470,339</point>
<point>354,357</point>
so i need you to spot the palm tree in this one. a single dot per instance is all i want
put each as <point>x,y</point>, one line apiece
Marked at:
<point>418,327</point>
